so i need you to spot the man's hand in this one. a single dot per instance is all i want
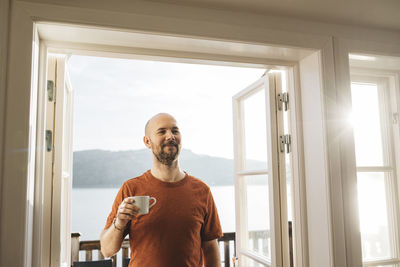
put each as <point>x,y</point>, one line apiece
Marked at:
<point>126,212</point>
<point>111,239</point>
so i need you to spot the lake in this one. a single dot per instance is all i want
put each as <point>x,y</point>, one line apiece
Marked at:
<point>91,206</point>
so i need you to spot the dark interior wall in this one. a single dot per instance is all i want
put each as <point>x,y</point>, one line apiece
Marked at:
<point>4,30</point>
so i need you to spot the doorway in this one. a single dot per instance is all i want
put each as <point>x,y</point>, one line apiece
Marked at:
<point>199,58</point>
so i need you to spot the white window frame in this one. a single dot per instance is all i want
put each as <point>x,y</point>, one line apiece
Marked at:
<point>388,98</point>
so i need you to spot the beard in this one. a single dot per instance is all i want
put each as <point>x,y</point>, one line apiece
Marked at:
<point>167,158</point>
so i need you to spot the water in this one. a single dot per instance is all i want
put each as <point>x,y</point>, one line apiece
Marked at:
<point>91,206</point>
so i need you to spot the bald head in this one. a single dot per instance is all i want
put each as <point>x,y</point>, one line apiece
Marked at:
<point>150,123</point>
<point>163,137</point>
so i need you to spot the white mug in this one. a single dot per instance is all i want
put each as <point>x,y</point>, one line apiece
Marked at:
<point>143,203</point>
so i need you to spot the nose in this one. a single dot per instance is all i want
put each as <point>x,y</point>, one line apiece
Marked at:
<point>170,135</point>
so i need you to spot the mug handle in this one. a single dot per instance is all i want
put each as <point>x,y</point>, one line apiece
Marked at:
<point>155,201</point>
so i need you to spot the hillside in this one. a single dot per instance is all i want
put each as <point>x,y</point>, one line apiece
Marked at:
<point>100,168</point>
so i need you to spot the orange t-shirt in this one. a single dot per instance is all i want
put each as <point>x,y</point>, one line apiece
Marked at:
<point>170,235</point>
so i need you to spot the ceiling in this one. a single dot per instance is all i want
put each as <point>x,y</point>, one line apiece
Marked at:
<point>370,13</point>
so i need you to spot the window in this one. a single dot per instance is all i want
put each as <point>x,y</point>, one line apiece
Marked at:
<point>373,118</point>
<point>261,122</point>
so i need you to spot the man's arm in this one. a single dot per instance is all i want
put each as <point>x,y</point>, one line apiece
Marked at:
<point>111,238</point>
<point>211,253</point>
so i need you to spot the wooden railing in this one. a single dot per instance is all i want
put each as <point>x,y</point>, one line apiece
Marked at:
<point>259,241</point>
<point>94,245</point>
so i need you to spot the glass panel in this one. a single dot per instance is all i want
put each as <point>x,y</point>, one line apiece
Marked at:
<point>248,262</point>
<point>288,188</point>
<point>374,223</point>
<point>258,226</point>
<point>255,135</point>
<point>366,122</point>
<point>284,78</point>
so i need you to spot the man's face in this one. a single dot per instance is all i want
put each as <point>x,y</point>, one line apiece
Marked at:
<point>164,139</point>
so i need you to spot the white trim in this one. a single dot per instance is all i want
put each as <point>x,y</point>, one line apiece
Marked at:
<point>251,89</point>
<point>316,175</point>
<point>281,156</point>
<point>274,177</point>
<point>299,200</point>
<point>256,257</point>
<point>253,172</point>
<point>32,149</point>
<point>238,133</point>
<point>375,169</point>
<point>14,204</point>
<point>381,262</point>
<point>163,55</point>
<point>41,246</point>
<point>344,189</point>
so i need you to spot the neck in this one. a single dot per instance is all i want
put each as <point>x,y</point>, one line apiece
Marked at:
<point>167,173</point>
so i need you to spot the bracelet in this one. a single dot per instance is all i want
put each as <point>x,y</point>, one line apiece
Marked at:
<point>115,225</point>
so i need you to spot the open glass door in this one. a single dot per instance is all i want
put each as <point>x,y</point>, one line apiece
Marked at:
<point>261,239</point>
<point>58,161</point>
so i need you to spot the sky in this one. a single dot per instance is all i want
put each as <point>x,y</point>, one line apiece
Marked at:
<point>114,98</point>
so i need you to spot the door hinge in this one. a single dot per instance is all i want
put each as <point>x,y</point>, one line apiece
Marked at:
<point>50,144</point>
<point>50,91</point>
<point>283,100</point>
<point>49,140</point>
<point>395,118</point>
<point>285,141</point>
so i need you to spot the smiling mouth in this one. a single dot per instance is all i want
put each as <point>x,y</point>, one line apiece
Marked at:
<point>170,145</point>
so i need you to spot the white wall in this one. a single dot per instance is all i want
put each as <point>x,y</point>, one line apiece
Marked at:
<point>155,17</point>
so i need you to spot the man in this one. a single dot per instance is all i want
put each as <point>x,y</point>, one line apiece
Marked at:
<point>183,226</point>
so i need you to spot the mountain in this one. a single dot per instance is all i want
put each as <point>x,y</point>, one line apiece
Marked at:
<point>101,168</point>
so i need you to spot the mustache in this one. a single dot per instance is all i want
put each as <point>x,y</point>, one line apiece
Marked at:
<point>170,143</point>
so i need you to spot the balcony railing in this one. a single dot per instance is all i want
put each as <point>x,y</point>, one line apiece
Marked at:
<point>226,243</point>
<point>259,241</point>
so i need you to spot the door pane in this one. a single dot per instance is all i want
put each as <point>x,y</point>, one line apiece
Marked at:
<point>258,226</point>
<point>367,126</point>
<point>255,135</point>
<point>374,222</point>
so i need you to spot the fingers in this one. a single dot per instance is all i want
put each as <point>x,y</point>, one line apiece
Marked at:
<point>129,200</point>
<point>125,217</point>
<point>127,210</point>
<point>127,207</point>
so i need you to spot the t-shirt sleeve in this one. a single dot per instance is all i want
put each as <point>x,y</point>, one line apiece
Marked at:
<point>212,226</point>
<point>121,195</point>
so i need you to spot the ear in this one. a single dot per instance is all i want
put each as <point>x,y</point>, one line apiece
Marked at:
<point>146,142</point>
